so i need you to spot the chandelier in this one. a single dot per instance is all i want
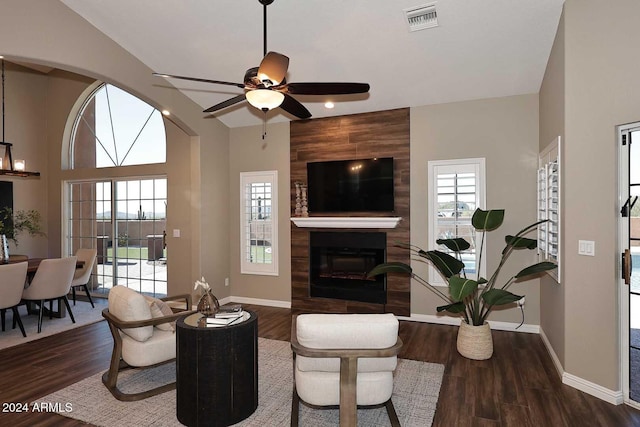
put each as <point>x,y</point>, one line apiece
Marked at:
<point>9,166</point>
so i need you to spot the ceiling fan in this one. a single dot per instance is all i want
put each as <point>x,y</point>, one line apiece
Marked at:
<point>266,86</point>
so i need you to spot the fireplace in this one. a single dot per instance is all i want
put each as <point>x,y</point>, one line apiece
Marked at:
<point>339,263</point>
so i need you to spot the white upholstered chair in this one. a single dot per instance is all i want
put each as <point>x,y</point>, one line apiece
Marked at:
<point>12,279</point>
<point>82,275</point>
<point>346,360</point>
<point>143,336</point>
<point>52,281</point>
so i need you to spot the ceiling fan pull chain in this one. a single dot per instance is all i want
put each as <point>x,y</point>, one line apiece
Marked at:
<point>264,124</point>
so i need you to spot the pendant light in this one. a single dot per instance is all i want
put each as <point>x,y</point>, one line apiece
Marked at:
<point>9,166</point>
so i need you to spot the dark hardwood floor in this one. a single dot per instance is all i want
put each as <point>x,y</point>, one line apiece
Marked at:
<point>518,386</point>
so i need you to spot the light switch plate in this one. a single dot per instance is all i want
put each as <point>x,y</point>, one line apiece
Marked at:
<point>587,247</point>
<point>176,232</point>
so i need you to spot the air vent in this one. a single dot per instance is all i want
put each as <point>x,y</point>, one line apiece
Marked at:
<point>422,17</point>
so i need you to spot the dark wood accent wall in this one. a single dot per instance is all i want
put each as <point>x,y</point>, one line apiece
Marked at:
<point>379,134</point>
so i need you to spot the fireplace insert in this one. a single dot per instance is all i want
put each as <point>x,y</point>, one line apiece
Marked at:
<point>339,263</point>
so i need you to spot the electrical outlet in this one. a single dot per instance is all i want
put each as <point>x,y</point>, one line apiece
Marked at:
<point>226,281</point>
<point>520,302</point>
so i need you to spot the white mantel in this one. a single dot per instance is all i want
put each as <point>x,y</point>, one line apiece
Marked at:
<point>346,222</point>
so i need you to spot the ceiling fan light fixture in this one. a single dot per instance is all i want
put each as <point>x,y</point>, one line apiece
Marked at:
<point>264,98</point>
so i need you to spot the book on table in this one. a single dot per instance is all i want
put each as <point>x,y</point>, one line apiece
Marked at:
<point>223,319</point>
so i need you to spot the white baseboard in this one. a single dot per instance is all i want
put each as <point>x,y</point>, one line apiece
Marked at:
<point>256,301</point>
<point>615,397</point>
<point>448,320</point>
<point>552,353</point>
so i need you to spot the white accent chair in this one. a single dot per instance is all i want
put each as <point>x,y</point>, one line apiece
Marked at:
<point>346,360</point>
<point>12,279</point>
<point>82,275</point>
<point>142,336</point>
<point>52,281</point>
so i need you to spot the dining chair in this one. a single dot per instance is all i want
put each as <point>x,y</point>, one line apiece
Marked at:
<point>52,281</point>
<point>12,279</point>
<point>82,275</point>
<point>346,360</point>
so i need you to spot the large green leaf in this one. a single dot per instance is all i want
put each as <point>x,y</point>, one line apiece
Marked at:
<point>445,263</point>
<point>499,297</point>
<point>487,220</point>
<point>390,267</point>
<point>456,307</point>
<point>457,245</point>
<point>520,242</point>
<point>460,288</point>
<point>536,268</point>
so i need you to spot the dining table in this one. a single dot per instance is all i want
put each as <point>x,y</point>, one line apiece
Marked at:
<point>32,268</point>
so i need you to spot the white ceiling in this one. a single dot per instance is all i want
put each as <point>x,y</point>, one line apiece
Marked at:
<point>480,49</point>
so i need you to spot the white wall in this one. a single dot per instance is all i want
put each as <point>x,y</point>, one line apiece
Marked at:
<point>505,132</point>
<point>249,153</point>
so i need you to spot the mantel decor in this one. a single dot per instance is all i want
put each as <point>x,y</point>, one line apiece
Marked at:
<point>9,166</point>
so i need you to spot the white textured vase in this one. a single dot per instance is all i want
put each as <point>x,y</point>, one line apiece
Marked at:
<point>475,342</point>
<point>4,248</point>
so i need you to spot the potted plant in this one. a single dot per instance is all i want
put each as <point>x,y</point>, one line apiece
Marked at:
<point>473,300</point>
<point>12,223</point>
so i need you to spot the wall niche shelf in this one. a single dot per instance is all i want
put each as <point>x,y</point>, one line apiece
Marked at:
<point>346,222</point>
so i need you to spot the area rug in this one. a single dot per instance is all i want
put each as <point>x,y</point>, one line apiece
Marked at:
<point>82,312</point>
<point>415,395</point>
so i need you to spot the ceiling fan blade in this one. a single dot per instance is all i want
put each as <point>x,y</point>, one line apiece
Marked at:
<point>327,88</point>
<point>195,79</point>
<point>292,106</point>
<point>225,104</point>
<point>273,67</point>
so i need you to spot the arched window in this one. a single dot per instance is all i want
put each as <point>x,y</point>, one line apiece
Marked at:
<point>114,128</point>
<point>122,217</point>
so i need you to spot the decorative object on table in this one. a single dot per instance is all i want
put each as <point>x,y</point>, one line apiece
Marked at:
<point>473,300</point>
<point>298,210</point>
<point>12,223</point>
<point>4,248</point>
<point>226,315</point>
<point>305,208</point>
<point>208,304</point>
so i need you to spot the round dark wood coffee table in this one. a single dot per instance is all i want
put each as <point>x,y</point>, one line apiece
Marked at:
<point>216,371</point>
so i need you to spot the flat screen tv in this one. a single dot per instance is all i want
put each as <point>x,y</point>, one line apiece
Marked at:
<point>362,185</point>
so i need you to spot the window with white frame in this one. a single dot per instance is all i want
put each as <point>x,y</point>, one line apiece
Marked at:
<point>259,223</point>
<point>456,189</point>
<point>549,205</point>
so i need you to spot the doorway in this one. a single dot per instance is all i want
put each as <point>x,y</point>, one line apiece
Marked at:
<point>125,221</point>
<point>629,231</point>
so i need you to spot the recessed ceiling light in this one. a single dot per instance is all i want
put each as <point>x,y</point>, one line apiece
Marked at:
<point>166,113</point>
<point>329,104</point>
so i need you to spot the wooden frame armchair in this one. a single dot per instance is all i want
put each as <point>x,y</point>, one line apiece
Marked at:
<point>324,381</point>
<point>138,341</point>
